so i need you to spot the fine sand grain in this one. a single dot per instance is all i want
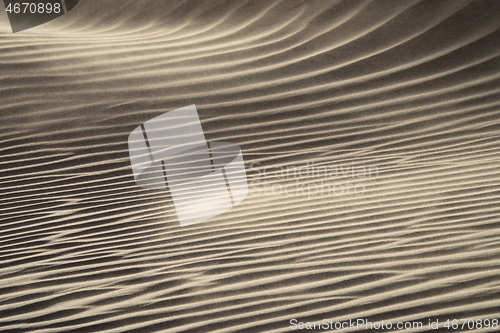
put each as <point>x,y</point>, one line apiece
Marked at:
<point>407,89</point>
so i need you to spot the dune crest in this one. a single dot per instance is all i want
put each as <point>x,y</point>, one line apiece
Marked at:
<point>408,88</point>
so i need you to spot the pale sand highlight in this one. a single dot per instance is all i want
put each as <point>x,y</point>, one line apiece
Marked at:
<point>408,86</point>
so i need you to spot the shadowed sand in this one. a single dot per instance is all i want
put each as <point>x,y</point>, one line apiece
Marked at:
<point>409,87</point>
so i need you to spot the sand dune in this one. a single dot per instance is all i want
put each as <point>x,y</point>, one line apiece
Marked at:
<point>410,89</point>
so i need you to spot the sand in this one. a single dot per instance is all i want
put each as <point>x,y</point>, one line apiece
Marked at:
<point>407,89</point>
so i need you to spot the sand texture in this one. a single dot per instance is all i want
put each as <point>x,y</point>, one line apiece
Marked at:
<point>408,88</point>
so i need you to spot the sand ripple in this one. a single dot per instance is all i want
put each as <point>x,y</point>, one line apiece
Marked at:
<point>411,87</point>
